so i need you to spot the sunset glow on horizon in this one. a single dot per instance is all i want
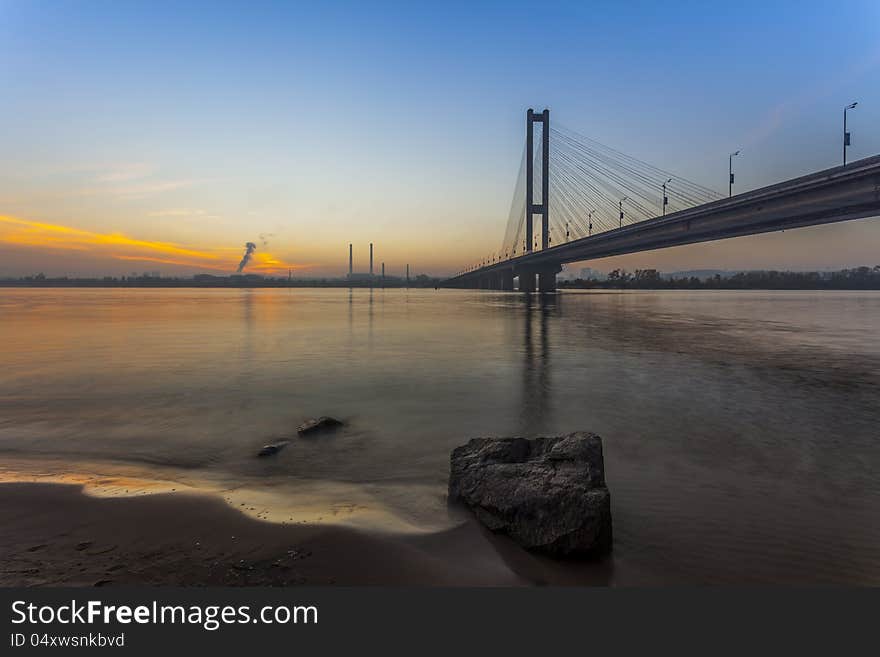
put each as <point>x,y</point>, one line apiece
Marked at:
<point>41,236</point>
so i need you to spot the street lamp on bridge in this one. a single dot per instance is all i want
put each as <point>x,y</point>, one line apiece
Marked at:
<point>665,198</point>
<point>620,207</point>
<point>730,172</point>
<point>590,226</point>
<point>845,133</point>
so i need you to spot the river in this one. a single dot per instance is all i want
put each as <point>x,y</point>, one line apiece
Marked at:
<point>740,427</point>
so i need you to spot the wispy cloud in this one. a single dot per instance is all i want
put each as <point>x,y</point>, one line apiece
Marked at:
<point>183,212</point>
<point>132,181</point>
<point>135,190</point>
<point>126,173</point>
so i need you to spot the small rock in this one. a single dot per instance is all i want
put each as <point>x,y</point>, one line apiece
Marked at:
<point>273,448</point>
<point>318,424</point>
<point>82,546</point>
<point>547,493</point>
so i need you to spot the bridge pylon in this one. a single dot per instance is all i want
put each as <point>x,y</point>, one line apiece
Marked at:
<point>542,208</point>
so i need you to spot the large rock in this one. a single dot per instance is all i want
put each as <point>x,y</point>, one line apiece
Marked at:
<point>547,493</point>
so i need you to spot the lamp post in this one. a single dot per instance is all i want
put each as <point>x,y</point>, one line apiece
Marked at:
<point>845,133</point>
<point>665,198</point>
<point>730,172</point>
<point>590,227</point>
<point>620,207</point>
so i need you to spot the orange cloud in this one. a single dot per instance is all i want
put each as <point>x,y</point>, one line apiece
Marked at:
<point>35,234</point>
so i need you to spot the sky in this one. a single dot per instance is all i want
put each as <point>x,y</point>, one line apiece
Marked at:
<point>163,136</point>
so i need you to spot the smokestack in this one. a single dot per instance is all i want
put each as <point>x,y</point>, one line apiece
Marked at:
<point>407,274</point>
<point>371,258</point>
<point>349,261</point>
<point>383,270</point>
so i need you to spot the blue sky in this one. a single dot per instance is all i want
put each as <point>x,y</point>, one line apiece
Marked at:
<point>205,124</point>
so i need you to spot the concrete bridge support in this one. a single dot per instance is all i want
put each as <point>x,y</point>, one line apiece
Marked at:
<point>547,278</point>
<point>507,280</point>
<point>526,280</point>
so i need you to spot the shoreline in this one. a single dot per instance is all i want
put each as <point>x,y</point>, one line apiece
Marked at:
<point>302,501</point>
<point>57,535</point>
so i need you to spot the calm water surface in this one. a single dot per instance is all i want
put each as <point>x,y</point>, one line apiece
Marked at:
<point>740,428</point>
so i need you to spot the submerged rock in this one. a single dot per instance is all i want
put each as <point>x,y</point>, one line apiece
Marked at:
<point>547,493</point>
<point>318,424</point>
<point>273,448</point>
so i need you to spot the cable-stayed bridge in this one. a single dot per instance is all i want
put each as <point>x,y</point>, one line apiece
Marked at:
<point>594,201</point>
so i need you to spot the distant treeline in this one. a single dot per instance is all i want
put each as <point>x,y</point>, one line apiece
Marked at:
<point>205,280</point>
<point>859,278</point>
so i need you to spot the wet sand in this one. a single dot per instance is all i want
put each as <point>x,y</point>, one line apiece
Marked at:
<point>57,535</point>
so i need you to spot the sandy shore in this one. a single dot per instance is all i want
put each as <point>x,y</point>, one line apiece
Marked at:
<point>56,535</point>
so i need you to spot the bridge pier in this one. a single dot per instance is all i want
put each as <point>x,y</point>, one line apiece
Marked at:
<point>526,280</point>
<point>547,279</point>
<point>507,280</point>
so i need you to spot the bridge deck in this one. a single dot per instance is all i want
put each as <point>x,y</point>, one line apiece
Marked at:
<point>832,195</point>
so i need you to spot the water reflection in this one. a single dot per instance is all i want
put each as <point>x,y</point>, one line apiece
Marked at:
<point>370,318</point>
<point>537,394</point>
